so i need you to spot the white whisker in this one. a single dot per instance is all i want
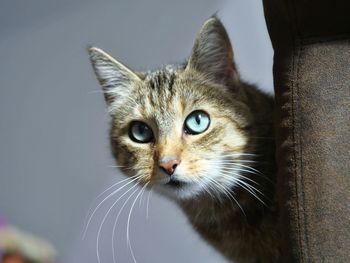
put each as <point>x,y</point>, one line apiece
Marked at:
<point>235,161</point>
<point>232,171</point>
<point>207,188</point>
<point>104,219</point>
<point>116,221</point>
<point>238,154</point>
<point>228,194</point>
<point>90,208</point>
<point>217,188</point>
<point>148,200</point>
<point>95,91</point>
<point>249,168</point>
<point>238,168</point>
<point>232,176</point>
<point>117,166</point>
<point>111,194</point>
<point>247,187</point>
<point>144,189</point>
<point>128,223</point>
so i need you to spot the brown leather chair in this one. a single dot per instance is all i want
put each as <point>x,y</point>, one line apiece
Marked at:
<point>311,40</point>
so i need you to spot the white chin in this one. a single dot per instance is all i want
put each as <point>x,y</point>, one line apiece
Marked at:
<point>183,192</point>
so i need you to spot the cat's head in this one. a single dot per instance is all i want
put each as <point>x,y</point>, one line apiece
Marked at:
<point>181,127</point>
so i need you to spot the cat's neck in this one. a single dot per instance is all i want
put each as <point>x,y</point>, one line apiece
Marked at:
<point>232,229</point>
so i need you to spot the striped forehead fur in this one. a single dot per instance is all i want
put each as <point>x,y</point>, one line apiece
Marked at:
<point>161,79</point>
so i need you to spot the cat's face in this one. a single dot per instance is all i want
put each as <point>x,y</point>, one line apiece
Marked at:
<point>183,128</point>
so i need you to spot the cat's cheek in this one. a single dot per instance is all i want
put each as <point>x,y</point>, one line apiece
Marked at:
<point>133,157</point>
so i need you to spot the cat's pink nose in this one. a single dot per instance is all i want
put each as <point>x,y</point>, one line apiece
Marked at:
<point>169,166</point>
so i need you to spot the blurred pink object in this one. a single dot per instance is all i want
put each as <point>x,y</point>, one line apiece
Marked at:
<point>2,222</point>
<point>16,244</point>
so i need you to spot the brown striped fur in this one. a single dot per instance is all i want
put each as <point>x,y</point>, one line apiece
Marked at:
<point>238,145</point>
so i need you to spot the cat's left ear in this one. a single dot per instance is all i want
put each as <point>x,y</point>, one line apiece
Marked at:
<point>212,53</point>
<point>115,78</point>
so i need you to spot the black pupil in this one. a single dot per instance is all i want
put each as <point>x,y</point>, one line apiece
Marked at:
<point>142,128</point>
<point>198,118</point>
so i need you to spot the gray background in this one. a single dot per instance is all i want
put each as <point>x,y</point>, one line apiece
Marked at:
<point>54,153</point>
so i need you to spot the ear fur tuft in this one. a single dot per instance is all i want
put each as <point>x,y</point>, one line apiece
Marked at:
<point>212,53</point>
<point>115,78</point>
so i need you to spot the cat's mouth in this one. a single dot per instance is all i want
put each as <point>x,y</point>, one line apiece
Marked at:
<point>175,183</point>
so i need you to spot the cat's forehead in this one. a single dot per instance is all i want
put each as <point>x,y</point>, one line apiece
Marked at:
<point>171,90</point>
<point>162,87</point>
<point>161,80</point>
<point>163,97</point>
<point>166,70</point>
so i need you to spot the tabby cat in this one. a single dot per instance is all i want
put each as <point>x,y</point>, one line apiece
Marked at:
<point>202,137</point>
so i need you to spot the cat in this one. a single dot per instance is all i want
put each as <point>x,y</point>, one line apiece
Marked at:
<point>204,138</point>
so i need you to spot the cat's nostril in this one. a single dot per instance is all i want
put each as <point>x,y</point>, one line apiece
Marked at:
<point>174,166</point>
<point>169,166</point>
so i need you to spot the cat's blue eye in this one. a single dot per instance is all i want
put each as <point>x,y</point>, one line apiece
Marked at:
<point>197,122</point>
<point>140,132</point>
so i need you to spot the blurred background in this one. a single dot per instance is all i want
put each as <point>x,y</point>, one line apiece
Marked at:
<point>54,149</point>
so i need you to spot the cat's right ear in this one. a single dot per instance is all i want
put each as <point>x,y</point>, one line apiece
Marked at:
<point>115,78</point>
